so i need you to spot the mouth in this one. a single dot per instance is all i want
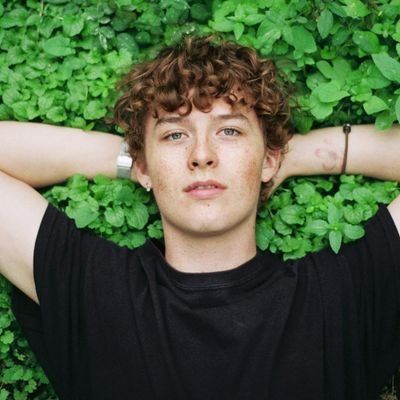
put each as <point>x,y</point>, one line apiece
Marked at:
<point>205,189</point>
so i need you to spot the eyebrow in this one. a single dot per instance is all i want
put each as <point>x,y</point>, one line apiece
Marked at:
<point>182,119</point>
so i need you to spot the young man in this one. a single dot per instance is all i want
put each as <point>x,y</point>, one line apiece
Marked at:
<point>208,316</point>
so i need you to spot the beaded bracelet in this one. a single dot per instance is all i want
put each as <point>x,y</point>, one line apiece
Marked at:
<point>346,130</point>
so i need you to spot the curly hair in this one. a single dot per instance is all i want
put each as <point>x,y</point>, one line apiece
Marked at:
<point>211,68</point>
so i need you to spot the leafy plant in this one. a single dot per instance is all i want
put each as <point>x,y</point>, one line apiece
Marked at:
<point>59,64</point>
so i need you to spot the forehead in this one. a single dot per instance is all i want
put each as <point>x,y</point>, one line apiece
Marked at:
<point>220,111</point>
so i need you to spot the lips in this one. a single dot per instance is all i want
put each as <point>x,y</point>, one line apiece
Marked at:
<point>204,185</point>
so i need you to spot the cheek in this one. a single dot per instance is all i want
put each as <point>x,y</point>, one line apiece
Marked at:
<point>251,176</point>
<point>163,177</point>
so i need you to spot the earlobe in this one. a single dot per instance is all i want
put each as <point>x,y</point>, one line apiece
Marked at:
<point>141,173</point>
<point>271,164</point>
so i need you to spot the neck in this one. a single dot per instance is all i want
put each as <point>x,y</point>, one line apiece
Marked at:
<point>187,253</point>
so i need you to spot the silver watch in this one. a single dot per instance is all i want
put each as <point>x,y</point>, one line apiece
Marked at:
<point>124,162</point>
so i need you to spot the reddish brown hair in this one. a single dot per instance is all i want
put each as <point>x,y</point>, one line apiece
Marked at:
<point>212,70</point>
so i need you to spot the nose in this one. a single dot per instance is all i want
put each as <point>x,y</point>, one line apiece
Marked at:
<point>202,155</point>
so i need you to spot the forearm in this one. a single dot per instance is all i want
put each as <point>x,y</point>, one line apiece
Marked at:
<point>42,155</point>
<point>370,152</point>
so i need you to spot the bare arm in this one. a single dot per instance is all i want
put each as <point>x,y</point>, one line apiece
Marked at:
<point>37,155</point>
<point>371,153</point>
<point>42,155</point>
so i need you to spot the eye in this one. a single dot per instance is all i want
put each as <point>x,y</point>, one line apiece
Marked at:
<point>231,132</point>
<point>174,136</point>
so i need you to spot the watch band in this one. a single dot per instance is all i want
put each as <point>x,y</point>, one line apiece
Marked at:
<point>124,162</point>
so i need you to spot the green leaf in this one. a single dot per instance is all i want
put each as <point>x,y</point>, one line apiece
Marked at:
<point>137,216</point>
<point>334,214</point>
<point>353,232</point>
<point>374,105</point>
<point>56,114</point>
<point>318,109</point>
<point>292,214</point>
<point>94,110</point>
<point>238,30</point>
<point>388,66</point>
<point>317,227</point>
<point>325,23</point>
<point>330,92</point>
<point>73,24</point>
<point>253,19</point>
<point>58,46</point>
<point>385,120</point>
<point>335,240</point>
<point>14,18</point>
<point>301,39</point>
<point>223,25</point>
<point>199,12</point>
<point>7,337</point>
<point>304,192</point>
<point>115,217</point>
<point>356,9</point>
<point>155,230</point>
<point>4,394</point>
<point>367,41</point>
<point>397,109</point>
<point>83,213</point>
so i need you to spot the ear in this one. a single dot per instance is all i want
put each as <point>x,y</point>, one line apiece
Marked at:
<point>141,172</point>
<point>271,163</point>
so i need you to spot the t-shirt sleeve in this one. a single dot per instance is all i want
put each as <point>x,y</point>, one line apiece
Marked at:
<point>367,282</point>
<point>77,277</point>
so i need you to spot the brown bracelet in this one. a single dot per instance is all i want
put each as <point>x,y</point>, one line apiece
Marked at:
<point>346,130</point>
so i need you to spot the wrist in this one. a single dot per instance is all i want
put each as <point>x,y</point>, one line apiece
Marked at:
<point>124,162</point>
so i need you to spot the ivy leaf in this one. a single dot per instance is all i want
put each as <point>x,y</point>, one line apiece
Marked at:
<point>388,66</point>
<point>325,23</point>
<point>335,240</point>
<point>58,46</point>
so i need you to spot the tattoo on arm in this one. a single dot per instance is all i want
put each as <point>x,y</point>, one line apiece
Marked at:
<point>329,158</point>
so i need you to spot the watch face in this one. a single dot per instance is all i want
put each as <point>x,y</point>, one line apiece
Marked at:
<point>124,161</point>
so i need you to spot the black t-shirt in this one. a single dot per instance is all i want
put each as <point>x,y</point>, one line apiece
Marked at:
<point>116,323</point>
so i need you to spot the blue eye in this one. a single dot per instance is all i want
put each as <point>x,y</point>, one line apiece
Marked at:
<point>231,131</point>
<point>174,136</point>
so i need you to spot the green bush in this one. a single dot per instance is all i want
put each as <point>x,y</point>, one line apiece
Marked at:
<point>60,62</point>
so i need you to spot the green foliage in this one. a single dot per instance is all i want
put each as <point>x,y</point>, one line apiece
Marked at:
<point>307,214</point>
<point>60,62</point>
